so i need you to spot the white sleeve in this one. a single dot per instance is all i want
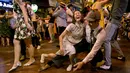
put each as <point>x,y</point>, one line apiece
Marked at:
<point>70,27</point>
<point>88,33</point>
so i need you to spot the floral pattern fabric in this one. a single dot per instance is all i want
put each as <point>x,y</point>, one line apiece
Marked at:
<point>21,31</point>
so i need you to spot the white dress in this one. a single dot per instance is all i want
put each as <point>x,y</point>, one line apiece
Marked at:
<point>77,33</point>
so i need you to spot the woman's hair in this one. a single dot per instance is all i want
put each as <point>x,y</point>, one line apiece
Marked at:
<point>70,5</point>
<point>2,12</point>
<point>85,11</point>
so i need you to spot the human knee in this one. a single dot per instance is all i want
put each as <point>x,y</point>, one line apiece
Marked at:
<point>52,55</point>
<point>16,42</point>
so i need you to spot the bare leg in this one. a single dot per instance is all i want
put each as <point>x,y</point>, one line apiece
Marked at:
<point>39,37</point>
<point>17,49</point>
<point>3,42</point>
<point>71,57</point>
<point>46,66</point>
<point>30,50</point>
<point>43,56</point>
<point>51,33</point>
<point>8,41</point>
<point>129,35</point>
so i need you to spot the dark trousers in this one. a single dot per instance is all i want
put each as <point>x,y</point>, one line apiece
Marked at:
<point>47,33</point>
<point>12,36</point>
<point>23,47</point>
<point>85,46</point>
<point>60,30</point>
<point>35,41</point>
<point>42,35</point>
<point>97,58</point>
<point>80,47</point>
<point>35,25</point>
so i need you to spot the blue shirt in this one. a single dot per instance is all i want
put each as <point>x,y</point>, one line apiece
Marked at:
<point>61,17</point>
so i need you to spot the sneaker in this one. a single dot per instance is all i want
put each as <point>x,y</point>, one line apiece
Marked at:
<point>46,66</point>
<point>50,41</point>
<point>38,47</point>
<point>105,67</point>
<point>121,58</point>
<point>69,68</point>
<point>100,63</point>
<point>118,39</point>
<point>22,58</point>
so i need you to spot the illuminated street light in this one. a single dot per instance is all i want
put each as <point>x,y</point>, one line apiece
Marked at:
<point>34,7</point>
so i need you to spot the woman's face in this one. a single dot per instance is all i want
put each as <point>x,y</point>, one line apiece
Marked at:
<point>77,16</point>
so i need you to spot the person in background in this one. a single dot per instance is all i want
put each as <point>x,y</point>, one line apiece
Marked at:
<point>51,25</point>
<point>39,31</point>
<point>46,27</point>
<point>35,39</point>
<point>69,13</point>
<point>5,30</point>
<point>61,18</point>
<point>128,17</point>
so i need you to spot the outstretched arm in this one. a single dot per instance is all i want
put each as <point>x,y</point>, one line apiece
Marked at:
<point>1,16</point>
<point>65,32</point>
<point>78,65</point>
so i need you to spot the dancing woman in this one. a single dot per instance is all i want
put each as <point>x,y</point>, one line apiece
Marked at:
<point>23,30</point>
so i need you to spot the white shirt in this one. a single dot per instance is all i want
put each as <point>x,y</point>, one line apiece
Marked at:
<point>77,32</point>
<point>88,33</point>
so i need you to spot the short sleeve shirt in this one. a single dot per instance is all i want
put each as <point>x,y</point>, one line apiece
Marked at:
<point>77,32</point>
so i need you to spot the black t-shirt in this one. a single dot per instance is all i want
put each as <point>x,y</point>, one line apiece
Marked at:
<point>128,7</point>
<point>52,19</point>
